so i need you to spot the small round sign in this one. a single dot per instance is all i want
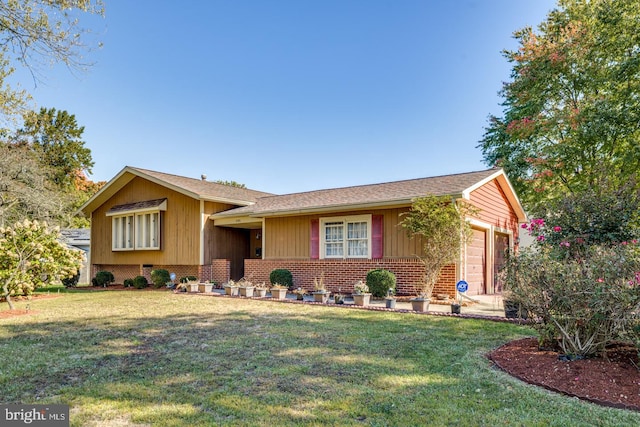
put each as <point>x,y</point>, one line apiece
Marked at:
<point>462,286</point>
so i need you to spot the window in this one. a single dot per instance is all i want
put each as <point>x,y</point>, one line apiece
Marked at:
<point>148,231</point>
<point>122,238</point>
<point>136,226</point>
<point>347,237</point>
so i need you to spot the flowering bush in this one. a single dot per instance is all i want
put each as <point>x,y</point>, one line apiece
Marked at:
<point>581,277</point>
<point>582,302</point>
<point>31,255</point>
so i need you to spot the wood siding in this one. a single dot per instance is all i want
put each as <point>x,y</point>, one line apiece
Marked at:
<point>495,209</point>
<point>180,228</point>
<point>289,237</point>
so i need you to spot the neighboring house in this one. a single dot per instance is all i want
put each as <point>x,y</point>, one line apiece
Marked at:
<point>79,238</point>
<point>143,220</point>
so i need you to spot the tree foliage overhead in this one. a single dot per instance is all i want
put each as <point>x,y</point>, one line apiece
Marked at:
<point>57,139</point>
<point>571,118</point>
<point>34,33</point>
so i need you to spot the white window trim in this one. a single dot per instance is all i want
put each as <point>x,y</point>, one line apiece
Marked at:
<point>132,240</point>
<point>344,220</point>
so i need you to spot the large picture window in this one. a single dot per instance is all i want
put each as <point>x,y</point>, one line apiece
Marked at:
<point>346,237</point>
<point>136,226</point>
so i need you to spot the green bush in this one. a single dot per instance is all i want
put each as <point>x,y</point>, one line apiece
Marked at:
<point>380,281</point>
<point>140,282</point>
<point>103,278</point>
<point>281,276</point>
<point>587,302</point>
<point>160,277</point>
<point>128,283</point>
<point>188,279</point>
<point>71,282</point>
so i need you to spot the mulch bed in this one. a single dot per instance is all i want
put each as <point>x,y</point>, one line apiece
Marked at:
<point>612,381</point>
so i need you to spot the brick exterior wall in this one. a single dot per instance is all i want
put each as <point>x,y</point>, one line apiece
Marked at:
<point>220,270</point>
<point>342,274</point>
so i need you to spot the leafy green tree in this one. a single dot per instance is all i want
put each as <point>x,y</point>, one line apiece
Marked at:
<point>571,117</point>
<point>34,33</point>
<point>230,183</point>
<point>442,225</point>
<point>31,254</point>
<point>57,140</point>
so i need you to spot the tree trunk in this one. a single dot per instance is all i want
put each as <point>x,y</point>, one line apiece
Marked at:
<point>7,295</point>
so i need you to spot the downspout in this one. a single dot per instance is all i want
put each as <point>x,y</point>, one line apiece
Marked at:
<point>203,220</point>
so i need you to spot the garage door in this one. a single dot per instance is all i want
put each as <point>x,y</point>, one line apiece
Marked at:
<point>476,256</point>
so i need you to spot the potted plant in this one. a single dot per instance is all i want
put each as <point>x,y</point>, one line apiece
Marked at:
<point>205,286</point>
<point>300,293</point>
<point>245,287</point>
<point>455,307</point>
<point>321,294</point>
<point>261,290</point>
<point>441,223</point>
<point>192,285</point>
<point>278,291</point>
<point>338,298</point>
<point>361,295</point>
<point>230,288</point>
<point>390,299</point>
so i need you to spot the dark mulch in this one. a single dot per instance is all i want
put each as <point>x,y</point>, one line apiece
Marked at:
<point>613,380</point>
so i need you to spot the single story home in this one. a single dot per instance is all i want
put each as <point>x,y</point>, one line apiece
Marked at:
<point>143,219</point>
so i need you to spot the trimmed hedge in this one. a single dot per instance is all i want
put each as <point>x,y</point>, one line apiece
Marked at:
<point>160,277</point>
<point>380,281</point>
<point>103,278</point>
<point>71,282</point>
<point>140,282</point>
<point>281,276</point>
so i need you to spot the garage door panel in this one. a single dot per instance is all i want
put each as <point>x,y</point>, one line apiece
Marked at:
<point>476,262</point>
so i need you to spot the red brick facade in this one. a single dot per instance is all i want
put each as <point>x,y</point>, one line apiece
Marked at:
<point>122,272</point>
<point>340,275</point>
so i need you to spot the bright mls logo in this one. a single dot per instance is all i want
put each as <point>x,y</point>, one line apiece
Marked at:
<point>34,415</point>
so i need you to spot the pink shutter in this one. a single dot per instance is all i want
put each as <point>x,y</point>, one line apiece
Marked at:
<point>377,236</point>
<point>315,239</point>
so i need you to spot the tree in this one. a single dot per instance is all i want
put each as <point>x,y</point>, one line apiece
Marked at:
<point>442,224</point>
<point>25,191</point>
<point>38,32</point>
<point>571,117</point>
<point>32,255</point>
<point>230,183</point>
<point>57,140</point>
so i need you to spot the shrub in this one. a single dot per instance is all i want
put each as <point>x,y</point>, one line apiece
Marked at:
<point>140,282</point>
<point>71,282</point>
<point>281,276</point>
<point>585,301</point>
<point>128,283</point>
<point>160,277</point>
<point>103,278</point>
<point>380,281</point>
<point>188,279</point>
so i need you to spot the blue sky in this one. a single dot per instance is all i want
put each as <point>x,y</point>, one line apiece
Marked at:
<point>288,96</point>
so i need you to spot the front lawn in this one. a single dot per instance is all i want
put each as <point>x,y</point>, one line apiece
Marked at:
<point>156,358</point>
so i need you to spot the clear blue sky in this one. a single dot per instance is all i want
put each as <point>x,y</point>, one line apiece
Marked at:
<point>296,95</point>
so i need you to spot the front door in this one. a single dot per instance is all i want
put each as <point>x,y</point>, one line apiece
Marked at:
<point>476,262</point>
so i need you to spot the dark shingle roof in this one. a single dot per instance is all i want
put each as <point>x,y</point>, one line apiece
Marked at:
<point>384,193</point>
<point>205,189</point>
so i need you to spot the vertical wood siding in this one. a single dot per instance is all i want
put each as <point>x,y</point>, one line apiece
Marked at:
<point>180,228</point>
<point>289,237</point>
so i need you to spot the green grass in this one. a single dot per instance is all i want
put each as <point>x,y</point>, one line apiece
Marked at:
<point>155,358</point>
